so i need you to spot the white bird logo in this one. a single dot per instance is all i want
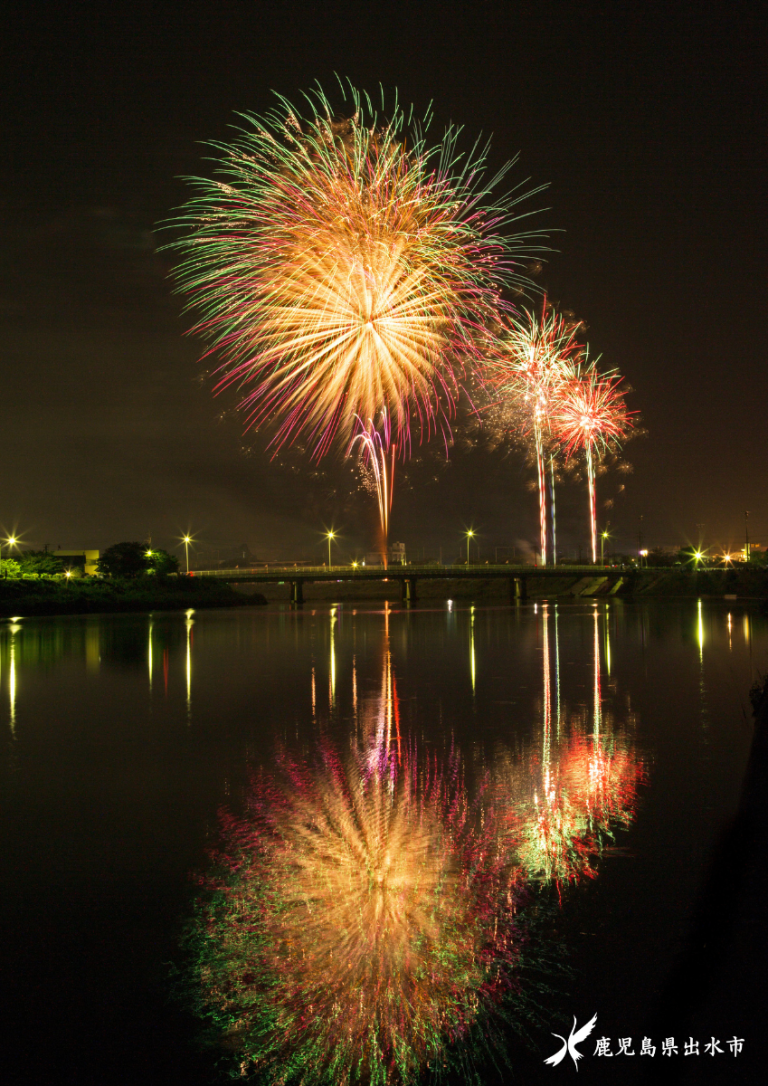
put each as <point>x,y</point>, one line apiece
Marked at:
<point>569,1046</point>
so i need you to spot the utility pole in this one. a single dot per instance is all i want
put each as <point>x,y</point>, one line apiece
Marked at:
<point>747,554</point>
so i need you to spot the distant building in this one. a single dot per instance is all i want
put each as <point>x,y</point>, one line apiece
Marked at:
<point>396,556</point>
<point>746,554</point>
<point>85,559</point>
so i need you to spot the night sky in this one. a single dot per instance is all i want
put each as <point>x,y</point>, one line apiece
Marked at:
<point>647,120</point>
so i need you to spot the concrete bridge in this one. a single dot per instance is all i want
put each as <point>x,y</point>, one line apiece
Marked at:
<point>609,579</point>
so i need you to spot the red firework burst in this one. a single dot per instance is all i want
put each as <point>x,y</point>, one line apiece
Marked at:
<point>588,412</point>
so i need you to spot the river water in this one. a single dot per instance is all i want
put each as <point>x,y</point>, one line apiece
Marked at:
<point>616,733</point>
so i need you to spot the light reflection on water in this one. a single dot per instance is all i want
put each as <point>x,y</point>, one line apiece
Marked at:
<point>559,711</point>
<point>26,646</point>
<point>273,644</point>
<point>188,624</point>
<point>13,630</point>
<point>365,912</point>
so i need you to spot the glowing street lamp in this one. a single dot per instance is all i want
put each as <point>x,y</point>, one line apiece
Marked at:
<point>727,558</point>
<point>331,535</point>
<point>697,556</point>
<point>187,540</point>
<point>603,537</point>
<point>470,535</point>
<point>11,541</point>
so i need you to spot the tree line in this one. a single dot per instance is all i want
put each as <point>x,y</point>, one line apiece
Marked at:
<point>126,561</point>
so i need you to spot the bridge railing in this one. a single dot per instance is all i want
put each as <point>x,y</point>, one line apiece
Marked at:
<point>435,569</point>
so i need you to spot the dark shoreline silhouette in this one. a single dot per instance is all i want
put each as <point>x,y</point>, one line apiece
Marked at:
<point>54,597</point>
<point>717,984</point>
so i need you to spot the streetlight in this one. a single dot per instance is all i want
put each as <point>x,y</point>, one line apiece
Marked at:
<point>697,556</point>
<point>187,540</point>
<point>603,537</point>
<point>470,535</point>
<point>11,541</point>
<point>331,536</point>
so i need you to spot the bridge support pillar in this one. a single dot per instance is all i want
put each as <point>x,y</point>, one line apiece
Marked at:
<point>297,591</point>
<point>518,589</point>
<point>408,589</point>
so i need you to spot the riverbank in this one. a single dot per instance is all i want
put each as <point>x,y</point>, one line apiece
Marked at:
<point>742,582</point>
<point>46,596</point>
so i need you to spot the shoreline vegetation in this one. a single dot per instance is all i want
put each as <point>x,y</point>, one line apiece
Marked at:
<point>28,596</point>
<point>82,595</point>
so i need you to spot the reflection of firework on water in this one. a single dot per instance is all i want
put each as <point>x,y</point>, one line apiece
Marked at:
<point>591,791</point>
<point>589,413</point>
<point>538,355</point>
<point>554,846</point>
<point>344,267</point>
<point>377,463</point>
<point>588,788</point>
<point>362,921</point>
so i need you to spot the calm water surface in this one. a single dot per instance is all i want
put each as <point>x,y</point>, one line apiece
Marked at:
<point>124,736</point>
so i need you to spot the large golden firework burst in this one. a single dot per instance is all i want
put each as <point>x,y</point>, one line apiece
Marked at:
<point>344,268</point>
